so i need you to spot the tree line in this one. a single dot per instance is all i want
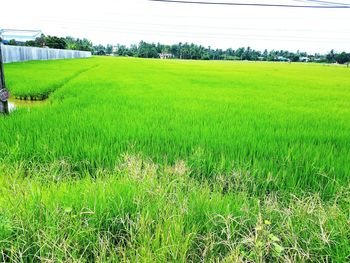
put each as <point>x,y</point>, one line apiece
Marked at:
<point>198,52</point>
<point>56,42</point>
<point>184,51</point>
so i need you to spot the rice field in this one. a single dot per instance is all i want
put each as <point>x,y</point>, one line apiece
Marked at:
<point>176,161</point>
<point>35,81</point>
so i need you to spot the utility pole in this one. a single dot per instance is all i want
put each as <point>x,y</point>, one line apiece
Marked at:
<point>4,95</point>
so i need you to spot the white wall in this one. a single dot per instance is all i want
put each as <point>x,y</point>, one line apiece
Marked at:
<point>18,53</point>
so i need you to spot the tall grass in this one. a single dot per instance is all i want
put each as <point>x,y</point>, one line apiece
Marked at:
<point>144,212</point>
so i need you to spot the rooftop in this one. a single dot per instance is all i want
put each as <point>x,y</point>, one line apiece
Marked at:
<point>19,34</point>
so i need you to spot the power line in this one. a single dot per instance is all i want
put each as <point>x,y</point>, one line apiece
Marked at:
<point>162,25</point>
<point>251,4</point>
<point>231,30</point>
<point>232,34</point>
<point>324,2</point>
<point>215,35</point>
<point>312,2</point>
<point>192,16</point>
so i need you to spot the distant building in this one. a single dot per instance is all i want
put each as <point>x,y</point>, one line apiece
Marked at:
<point>281,58</point>
<point>165,55</point>
<point>19,35</point>
<point>304,59</point>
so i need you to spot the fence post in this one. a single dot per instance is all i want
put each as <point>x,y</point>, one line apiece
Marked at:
<point>4,95</point>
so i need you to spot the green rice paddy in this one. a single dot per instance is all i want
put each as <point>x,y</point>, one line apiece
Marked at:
<point>157,161</point>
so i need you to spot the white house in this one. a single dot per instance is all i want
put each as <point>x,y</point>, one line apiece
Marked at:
<point>165,55</point>
<point>304,59</point>
<point>281,58</point>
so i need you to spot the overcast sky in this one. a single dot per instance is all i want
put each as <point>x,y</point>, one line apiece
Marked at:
<point>130,21</point>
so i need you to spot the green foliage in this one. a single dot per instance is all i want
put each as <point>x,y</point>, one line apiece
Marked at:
<point>100,50</point>
<point>55,42</point>
<point>78,44</point>
<point>198,52</point>
<point>12,42</point>
<point>343,58</point>
<point>61,43</point>
<point>182,51</point>
<point>146,50</point>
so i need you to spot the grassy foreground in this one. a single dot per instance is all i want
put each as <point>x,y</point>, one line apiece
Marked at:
<point>142,212</point>
<point>226,161</point>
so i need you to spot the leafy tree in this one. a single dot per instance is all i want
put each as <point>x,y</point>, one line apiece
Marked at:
<point>40,41</point>
<point>12,42</point>
<point>84,44</point>
<point>240,52</point>
<point>60,43</point>
<point>146,50</point>
<point>293,57</point>
<point>330,57</point>
<point>55,42</point>
<point>109,49</point>
<point>342,58</point>
<point>121,50</point>
<point>71,43</point>
<point>99,50</point>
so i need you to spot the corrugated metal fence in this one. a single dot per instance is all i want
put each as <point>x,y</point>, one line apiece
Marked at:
<point>18,53</point>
